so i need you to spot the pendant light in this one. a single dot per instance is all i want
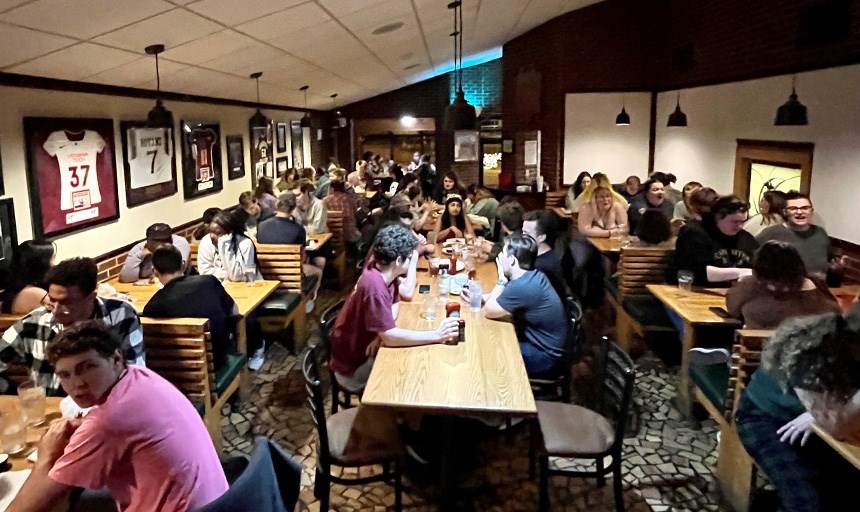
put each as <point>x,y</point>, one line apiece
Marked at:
<point>306,121</point>
<point>459,115</point>
<point>339,119</point>
<point>792,112</point>
<point>622,119</point>
<point>158,117</point>
<point>258,120</point>
<point>678,117</point>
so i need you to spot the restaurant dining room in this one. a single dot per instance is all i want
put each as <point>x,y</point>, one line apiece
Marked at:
<point>429,255</point>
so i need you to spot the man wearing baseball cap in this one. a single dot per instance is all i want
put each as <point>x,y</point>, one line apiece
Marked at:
<point>138,263</point>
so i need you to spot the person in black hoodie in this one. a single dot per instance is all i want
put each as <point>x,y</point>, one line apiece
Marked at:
<point>716,250</point>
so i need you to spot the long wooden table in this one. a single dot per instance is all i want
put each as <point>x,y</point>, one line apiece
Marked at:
<point>319,239</point>
<point>8,404</point>
<point>850,451</point>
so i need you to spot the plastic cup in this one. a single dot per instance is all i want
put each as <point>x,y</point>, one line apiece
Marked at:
<point>685,281</point>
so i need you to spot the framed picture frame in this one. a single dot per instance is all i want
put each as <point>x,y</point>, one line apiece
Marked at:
<point>149,162</point>
<point>262,152</point>
<point>297,144</point>
<point>466,145</point>
<point>71,174</point>
<point>282,164</point>
<point>8,232</point>
<point>201,158</point>
<point>235,157</point>
<point>282,137</point>
<point>508,146</point>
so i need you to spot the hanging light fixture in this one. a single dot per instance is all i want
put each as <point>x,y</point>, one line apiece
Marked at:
<point>459,115</point>
<point>158,117</point>
<point>622,119</point>
<point>339,119</point>
<point>258,120</point>
<point>306,121</point>
<point>678,117</point>
<point>792,112</point>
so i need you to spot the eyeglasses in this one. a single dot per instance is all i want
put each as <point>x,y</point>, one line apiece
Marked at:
<point>796,209</point>
<point>53,306</point>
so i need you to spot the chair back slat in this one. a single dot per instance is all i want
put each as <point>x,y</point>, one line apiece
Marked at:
<point>195,247</point>
<point>617,375</point>
<point>282,263</point>
<point>746,359</point>
<point>335,227</point>
<point>310,369</point>
<point>555,198</point>
<point>179,349</point>
<point>641,266</point>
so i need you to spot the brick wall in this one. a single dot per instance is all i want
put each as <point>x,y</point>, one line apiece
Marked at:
<point>483,87</point>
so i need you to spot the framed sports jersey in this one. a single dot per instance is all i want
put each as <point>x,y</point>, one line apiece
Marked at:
<point>150,162</point>
<point>71,174</point>
<point>201,158</point>
<point>235,157</point>
<point>262,152</point>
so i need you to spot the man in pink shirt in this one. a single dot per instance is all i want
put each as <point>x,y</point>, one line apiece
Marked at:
<point>142,439</point>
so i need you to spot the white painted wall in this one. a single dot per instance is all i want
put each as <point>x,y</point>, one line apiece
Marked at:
<point>719,115</point>
<point>17,103</point>
<point>593,143</point>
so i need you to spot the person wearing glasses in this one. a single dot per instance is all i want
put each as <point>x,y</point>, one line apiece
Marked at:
<point>717,250</point>
<point>71,298</point>
<point>811,241</point>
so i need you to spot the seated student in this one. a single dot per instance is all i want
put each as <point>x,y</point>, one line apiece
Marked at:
<point>24,282</point>
<point>450,185</point>
<point>537,310</point>
<point>771,209</point>
<point>653,197</point>
<point>339,199</point>
<point>778,289</point>
<point>673,195</point>
<point>255,213</point>
<point>367,319</point>
<point>265,193</point>
<point>322,181</point>
<point>235,249</point>
<point>142,439</point>
<point>283,229</point>
<point>603,216</point>
<point>138,262</point>
<point>510,216</point>
<point>810,361</point>
<point>484,204</point>
<point>599,180</point>
<point>576,190</point>
<point>453,223</point>
<point>209,262</point>
<point>716,250</point>
<point>632,187</point>
<point>540,225</point>
<point>193,297</point>
<point>310,211</point>
<point>811,241</point>
<point>71,299</point>
<point>654,230</point>
<point>202,231</point>
<point>682,207</point>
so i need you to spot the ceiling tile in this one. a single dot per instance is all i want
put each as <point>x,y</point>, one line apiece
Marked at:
<point>209,47</point>
<point>370,18</point>
<point>20,44</point>
<point>342,7</point>
<point>227,12</point>
<point>68,17</point>
<point>139,73</point>
<point>252,56</point>
<point>285,22</point>
<point>76,62</point>
<point>6,5</point>
<point>171,29</point>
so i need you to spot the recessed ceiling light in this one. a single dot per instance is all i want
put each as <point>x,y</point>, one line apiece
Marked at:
<point>384,29</point>
<point>411,66</point>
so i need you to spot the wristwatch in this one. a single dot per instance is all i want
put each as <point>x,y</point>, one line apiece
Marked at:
<point>502,281</point>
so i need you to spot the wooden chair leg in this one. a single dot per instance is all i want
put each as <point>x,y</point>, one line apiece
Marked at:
<point>212,419</point>
<point>601,477</point>
<point>544,483</point>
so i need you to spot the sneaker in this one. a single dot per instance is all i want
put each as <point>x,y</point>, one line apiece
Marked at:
<point>707,356</point>
<point>256,360</point>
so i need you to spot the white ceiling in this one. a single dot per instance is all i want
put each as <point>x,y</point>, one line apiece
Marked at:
<point>213,45</point>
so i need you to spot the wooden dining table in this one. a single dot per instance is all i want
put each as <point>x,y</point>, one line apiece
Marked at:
<point>319,240</point>
<point>849,451</point>
<point>9,405</point>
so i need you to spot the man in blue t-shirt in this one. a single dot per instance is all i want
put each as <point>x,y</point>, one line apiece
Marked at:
<point>530,299</point>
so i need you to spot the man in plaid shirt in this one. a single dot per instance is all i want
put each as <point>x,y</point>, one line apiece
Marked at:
<point>71,298</point>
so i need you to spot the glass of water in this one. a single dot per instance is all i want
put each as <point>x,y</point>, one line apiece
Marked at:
<point>685,281</point>
<point>430,304</point>
<point>32,400</point>
<point>14,432</point>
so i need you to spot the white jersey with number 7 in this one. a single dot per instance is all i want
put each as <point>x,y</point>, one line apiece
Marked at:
<point>77,157</point>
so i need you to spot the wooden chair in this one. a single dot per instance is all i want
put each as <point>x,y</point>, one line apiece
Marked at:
<point>338,244</point>
<point>180,350</point>
<point>556,198</point>
<point>636,310</point>
<point>193,255</point>
<point>283,263</point>
<point>15,373</point>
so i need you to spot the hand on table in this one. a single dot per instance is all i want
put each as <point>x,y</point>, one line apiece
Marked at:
<point>448,330</point>
<point>798,428</point>
<point>54,441</point>
<point>373,348</point>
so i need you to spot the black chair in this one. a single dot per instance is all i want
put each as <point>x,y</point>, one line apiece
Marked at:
<point>556,386</point>
<point>571,431</point>
<point>339,397</point>
<point>341,445</point>
<point>270,483</point>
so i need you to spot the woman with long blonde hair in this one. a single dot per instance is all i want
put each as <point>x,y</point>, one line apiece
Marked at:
<point>597,181</point>
<point>602,216</point>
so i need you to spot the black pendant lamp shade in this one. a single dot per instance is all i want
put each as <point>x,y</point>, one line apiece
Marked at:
<point>459,115</point>
<point>678,117</point>
<point>622,119</point>
<point>258,120</point>
<point>158,117</point>
<point>306,121</point>
<point>339,119</point>
<point>792,112</point>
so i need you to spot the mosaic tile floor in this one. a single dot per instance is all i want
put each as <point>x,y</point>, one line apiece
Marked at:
<point>668,464</point>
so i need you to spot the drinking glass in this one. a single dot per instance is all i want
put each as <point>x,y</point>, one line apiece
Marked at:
<point>434,267</point>
<point>251,275</point>
<point>476,292</point>
<point>14,432</point>
<point>470,239</point>
<point>685,281</point>
<point>430,304</point>
<point>32,400</point>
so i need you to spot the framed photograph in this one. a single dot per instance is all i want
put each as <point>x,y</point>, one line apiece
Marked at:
<point>282,137</point>
<point>8,232</point>
<point>235,157</point>
<point>149,161</point>
<point>297,144</point>
<point>71,174</point>
<point>466,145</point>
<point>201,158</point>
<point>262,155</point>
<point>282,164</point>
<point>508,146</point>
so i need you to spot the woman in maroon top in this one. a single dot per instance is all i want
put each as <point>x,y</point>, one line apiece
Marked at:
<point>367,319</point>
